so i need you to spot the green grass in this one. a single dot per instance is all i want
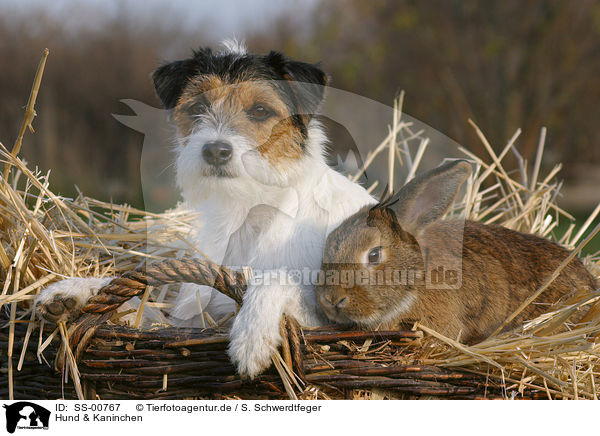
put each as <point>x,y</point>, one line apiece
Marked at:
<point>594,245</point>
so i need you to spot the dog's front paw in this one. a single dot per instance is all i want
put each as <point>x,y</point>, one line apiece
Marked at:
<point>62,301</point>
<point>251,347</point>
<point>251,355</point>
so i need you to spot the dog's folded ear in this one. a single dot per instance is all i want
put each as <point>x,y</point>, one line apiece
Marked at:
<point>306,83</point>
<point>310,84</point>
<point>170,80</point>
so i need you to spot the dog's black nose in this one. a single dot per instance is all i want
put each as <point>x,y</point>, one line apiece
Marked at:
<point>217,153</point>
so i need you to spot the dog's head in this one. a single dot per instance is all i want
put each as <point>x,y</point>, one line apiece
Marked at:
<point>241,118</point>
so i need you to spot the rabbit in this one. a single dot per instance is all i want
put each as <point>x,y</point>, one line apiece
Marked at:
<point>407,238</point>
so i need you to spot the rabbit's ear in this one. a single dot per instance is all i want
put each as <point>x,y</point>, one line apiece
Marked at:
<point>427,197</point>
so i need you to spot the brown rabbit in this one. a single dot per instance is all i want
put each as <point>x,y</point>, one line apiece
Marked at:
<point>399,262</point>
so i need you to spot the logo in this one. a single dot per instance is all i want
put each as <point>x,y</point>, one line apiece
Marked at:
<point>26,415</point>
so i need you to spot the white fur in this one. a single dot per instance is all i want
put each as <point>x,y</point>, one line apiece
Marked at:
<point>401,307</point>
<point>271,218</point>
<point>82,289</point>
<point>233,46</point>
<point>78,288</point>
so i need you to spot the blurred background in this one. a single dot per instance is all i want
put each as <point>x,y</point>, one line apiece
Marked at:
<point>505,65</point>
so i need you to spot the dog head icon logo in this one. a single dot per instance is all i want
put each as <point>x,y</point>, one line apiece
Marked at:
<point>26,415</point>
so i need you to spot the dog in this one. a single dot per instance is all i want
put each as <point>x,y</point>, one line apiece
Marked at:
<point>250,160</point>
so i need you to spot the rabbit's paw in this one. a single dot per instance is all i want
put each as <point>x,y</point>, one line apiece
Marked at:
<point>62,301</point>
<point>251,347</point>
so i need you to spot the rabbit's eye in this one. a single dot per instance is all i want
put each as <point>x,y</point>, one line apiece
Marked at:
<point>374,255</point>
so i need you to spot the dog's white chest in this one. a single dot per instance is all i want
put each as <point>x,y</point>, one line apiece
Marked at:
<point>267,237</point>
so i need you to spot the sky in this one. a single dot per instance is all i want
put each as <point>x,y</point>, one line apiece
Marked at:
<point>224,16</point>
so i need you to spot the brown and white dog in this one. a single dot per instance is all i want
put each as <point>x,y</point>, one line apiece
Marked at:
<point>250,159</point>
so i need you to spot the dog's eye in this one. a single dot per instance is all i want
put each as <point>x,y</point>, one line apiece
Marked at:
<point>374,255</point>
<point>260,112</point>
<point>197,108</point>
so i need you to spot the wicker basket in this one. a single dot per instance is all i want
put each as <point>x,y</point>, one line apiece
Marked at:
<point>171,363</point>
<point>117,362</point>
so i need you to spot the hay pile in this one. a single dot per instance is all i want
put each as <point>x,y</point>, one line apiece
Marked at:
<point>44,237</point>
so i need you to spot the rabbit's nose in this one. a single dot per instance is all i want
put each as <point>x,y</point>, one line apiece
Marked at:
<point>336,301</point>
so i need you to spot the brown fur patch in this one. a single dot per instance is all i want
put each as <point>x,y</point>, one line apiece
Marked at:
<point>277,139</point>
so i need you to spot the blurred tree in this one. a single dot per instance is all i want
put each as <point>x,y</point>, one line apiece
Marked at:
<point>89,70</point>
<point>505,64</point>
